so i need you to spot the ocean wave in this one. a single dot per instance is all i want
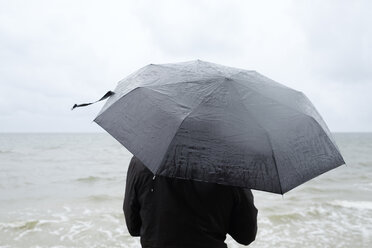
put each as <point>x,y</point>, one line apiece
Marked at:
<point>88,179</point>
<point>285,217</point>
<point>99,198</point>
<point>362,205</point>
<point>311,189</point>
<point>315,212</point>
<point>23,225</point>
<point>92,179</point>
<point>30,224</point>
<point>6,152</point>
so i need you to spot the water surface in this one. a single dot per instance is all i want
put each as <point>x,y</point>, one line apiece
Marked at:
<point>66,190</point>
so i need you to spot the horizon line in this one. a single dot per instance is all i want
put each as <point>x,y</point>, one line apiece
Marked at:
<point>103,132</point>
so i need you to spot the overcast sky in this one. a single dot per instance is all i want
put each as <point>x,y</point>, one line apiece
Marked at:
<point>57,53</point>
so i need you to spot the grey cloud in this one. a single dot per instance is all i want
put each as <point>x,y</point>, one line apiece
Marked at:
<point>56,53</point>
<point>339,37</point>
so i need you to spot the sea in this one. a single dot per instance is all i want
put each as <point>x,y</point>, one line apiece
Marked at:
<point>66,190</point>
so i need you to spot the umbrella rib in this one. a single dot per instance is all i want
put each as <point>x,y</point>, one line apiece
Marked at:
<point>282,104</point>
<point>263,95</point>
<point>244,85</point>
<point>162,161</point>
<point>318,116</point>
<point>104,108</point>
<point>272,82</point>
<point>214,66</point>
<point>268,138</point>
<point>305,115</point>
<point>197,81</point>
<point>276,164</point>
<point>158,92</point>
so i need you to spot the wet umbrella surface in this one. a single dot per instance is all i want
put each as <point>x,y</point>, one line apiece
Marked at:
<point>207,122</point>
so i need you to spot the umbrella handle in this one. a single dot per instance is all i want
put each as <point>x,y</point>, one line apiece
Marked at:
<point>108,94</point>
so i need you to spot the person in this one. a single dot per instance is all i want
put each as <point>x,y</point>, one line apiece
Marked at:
<point>177,213</point>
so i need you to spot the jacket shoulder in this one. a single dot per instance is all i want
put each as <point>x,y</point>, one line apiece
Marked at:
<point>137,168</point>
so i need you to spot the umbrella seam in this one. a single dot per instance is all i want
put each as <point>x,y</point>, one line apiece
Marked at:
<point>213,65</point>
<point>258,75</point>
<point>101,112</point>
<point>169,98</point>
<point>325,128</point>
<point>122,81</point>
<point>306,116</point>
<point>285,105</point>
<point>260,93</point>
<point>282,104</point>
<point>298,112</point>
<point>336,148</point>
<point>187,81</point>
<point>162,161</point>
<point>328,136</point>
<point>268,137</point>
<point>154,90</point>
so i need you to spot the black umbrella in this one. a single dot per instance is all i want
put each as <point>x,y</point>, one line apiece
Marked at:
<point>202,121</point>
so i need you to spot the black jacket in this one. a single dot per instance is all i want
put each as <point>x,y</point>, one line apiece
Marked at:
<point>179,213</point>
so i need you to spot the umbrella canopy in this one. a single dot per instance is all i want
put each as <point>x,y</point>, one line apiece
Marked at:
<point>202,121</point>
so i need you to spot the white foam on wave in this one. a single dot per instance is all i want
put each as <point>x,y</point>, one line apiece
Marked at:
<point>68,209</point>
<point>77,228</point>
<point>364,186</point>
<point>27,232</point>
<point>363,205</point>
<point>57,232</point>
<point>87,211</point>
<point>106,232</point>
<point>62,217</point>
<point>321,222</point>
